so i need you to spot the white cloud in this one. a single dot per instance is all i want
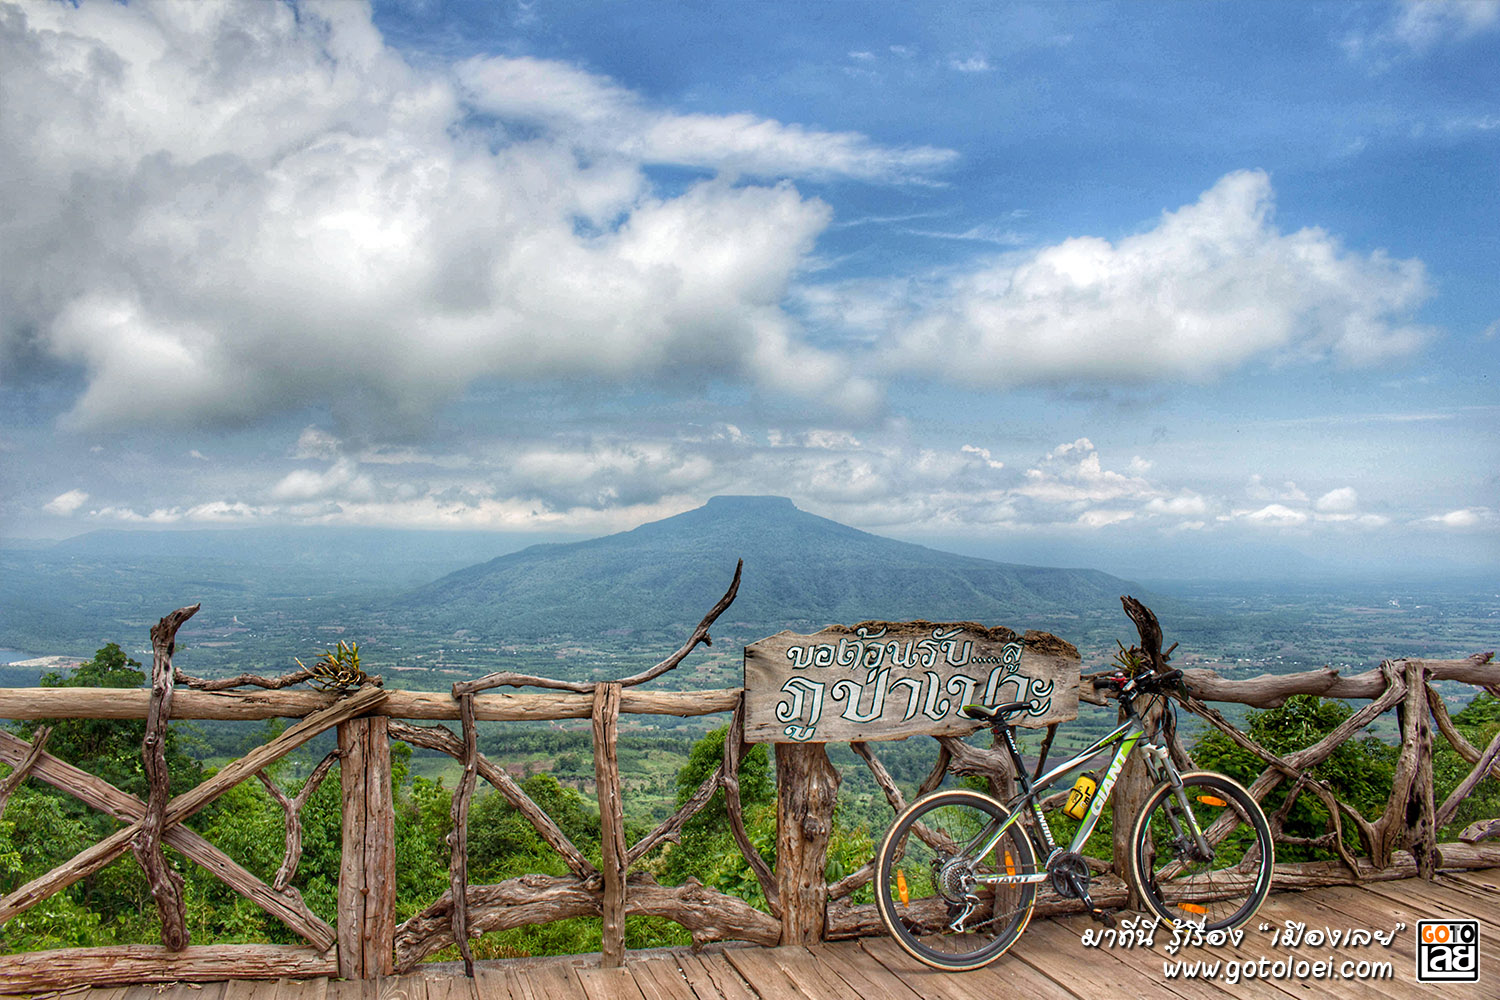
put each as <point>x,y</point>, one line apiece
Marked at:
<point>273,210</point>
<point>1212,287</point>
<point>1073,473</point>
<point>67,503</point>
<point>1419,28</point>
<point>1274,515</point>
<point>1340,501</point>
<point>343,478</point>
<point>599,116</point>
<point>1423,24</point>
<point>1256,489</point>
<point>1465,518</point>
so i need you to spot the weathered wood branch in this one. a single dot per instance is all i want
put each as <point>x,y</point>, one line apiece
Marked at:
<point>23,766</point>
<point>291,811</point>
<point>134,703</point>
<point>1272,690</point>
<point>442,740</point>
<point>458,836</point>
<point>33,971</point>
<point>94,858</point>
<point>535,899</point>
<point>882,777</point>
<point>671,827</point>
<point>1482,830</point>
<point>1482,769</point>
<point>166,884</point>
<point>699,635</point>
<point>612,850</point>
<point>242,680</point>
<point>734,753</point>
<point>1456,739</point>
<point>97,793</point>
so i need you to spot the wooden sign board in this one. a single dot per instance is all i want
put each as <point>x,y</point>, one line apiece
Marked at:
<point>889,680</point>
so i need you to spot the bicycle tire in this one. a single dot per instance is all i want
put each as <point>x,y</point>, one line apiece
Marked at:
<point>918,879</point>
<point>1175,881</point>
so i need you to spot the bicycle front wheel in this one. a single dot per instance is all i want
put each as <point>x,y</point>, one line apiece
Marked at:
<point>1219,881</point>
<point>935,890</point>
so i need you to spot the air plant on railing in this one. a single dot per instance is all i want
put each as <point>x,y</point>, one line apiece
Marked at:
<point>337,669</point>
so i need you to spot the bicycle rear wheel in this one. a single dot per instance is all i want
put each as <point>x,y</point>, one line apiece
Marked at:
<point>930,887</point>
<point>1179,882</point>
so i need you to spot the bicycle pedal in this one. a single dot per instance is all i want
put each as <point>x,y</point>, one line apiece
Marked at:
<point>1099,914</point>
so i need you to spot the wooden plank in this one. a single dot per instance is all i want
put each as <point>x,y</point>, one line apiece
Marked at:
<point>1317,910</point>
<point>929,982</point>
<point>396,988</point>
<point>711,976</point>
<point>140,963</point>
<point>661,979</point>
<point>1056,952</point>
<point>1148,962</point>
<point>1486,880</point>
<point>768,979</point>
<point>1442,901</point>
<point>775,971</point>
<point>851,964</point>
<point>237,990</point>
<point>489,982</point>
<point>555,979</point>
<point>611,982</point>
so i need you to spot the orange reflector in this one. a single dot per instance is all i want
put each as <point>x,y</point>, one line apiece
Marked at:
<point>1193,908</point>
<point>901,887</point>
<point>1010,866</point>
<point>1212,800</point>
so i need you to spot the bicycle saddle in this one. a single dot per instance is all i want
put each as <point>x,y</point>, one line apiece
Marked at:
<point>995,713</point>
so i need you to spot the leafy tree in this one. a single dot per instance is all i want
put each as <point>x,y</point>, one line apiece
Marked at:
<point>1360,771</point>
<point>707,850</point>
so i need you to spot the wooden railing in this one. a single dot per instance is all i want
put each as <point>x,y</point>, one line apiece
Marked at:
<point>803,907</point>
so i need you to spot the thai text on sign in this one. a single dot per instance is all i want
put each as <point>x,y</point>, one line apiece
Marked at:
<point>888,681</point>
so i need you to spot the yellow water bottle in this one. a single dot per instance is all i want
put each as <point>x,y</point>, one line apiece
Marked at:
<point>1078,798</point>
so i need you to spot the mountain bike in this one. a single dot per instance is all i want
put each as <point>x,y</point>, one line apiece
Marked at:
<point>957,874</point>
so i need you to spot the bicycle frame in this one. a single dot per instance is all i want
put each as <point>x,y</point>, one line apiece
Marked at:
<point>1128,735</point>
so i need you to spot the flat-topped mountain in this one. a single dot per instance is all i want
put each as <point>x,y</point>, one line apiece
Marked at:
<point>801,571</point>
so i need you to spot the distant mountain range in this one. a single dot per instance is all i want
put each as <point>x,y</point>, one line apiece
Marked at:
<point>801,572</point>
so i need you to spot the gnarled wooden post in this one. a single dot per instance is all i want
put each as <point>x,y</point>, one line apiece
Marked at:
<point>166,885</point>
<point>807,788</point>
<point>367,875</point>
<point>606,724</point>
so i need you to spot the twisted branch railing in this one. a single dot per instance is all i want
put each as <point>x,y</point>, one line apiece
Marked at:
<point>802,906</point>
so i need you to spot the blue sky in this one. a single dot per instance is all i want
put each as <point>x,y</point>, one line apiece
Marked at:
<point>1163,288</point>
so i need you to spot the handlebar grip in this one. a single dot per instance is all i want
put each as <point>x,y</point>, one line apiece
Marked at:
<point>1114,683</point>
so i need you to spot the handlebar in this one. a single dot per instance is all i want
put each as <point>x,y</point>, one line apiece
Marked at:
<point>1140,683</point>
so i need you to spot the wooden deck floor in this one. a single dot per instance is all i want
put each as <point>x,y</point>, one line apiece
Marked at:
<point>1048,963</point>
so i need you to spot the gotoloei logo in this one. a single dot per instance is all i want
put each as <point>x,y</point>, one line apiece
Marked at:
<point>1447,951</point>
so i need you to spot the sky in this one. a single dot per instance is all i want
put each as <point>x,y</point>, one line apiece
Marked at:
<point>1165,288</point>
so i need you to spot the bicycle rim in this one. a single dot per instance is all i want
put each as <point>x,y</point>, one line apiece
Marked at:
<point>1176,881</point>
<point>926,888</point>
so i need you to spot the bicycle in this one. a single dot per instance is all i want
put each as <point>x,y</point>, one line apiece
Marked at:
<point>956,876</point>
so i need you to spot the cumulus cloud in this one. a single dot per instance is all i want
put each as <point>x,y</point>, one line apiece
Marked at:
<point>1340,501</point>
<point>1212,286</point>
<point>1462,519</point>
<point>66,503</point>
<point>220,211</point>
